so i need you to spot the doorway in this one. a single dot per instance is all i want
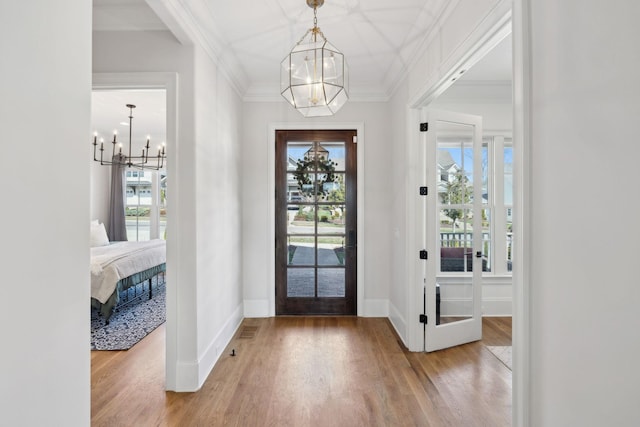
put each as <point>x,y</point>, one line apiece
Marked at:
<point>167,82</point>
<point>316,222</point>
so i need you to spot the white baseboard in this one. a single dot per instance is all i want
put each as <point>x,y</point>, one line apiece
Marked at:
<point>398,322</point>
<point>371,308</point>
<point>192,375</point>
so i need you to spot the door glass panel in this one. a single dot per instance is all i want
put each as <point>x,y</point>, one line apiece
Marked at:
<point>301,282</point>
<point>456,300</point>
<point>455,179</point>
<point>331,282</point>
<point>334,187</point>
<point>331,219</point>
<point>331,250</point>
<point>301,220</point>
<point>301,250</point>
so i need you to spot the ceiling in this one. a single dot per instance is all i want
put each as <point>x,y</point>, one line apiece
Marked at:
<point>378,37</point>
<point>109,112</point>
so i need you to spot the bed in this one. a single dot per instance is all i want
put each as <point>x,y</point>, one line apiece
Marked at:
<point>116,267</point>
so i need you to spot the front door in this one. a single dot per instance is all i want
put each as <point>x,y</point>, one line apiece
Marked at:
<point>453,215</point>
<point>316,222</point>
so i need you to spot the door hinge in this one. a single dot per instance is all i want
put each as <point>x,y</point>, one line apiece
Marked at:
<point>424,191</point>
<point>424,254</point>
<point>424,127</point>
<point>423,318</point>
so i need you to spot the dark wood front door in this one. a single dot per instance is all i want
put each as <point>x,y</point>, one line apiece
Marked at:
<point>316,222</point>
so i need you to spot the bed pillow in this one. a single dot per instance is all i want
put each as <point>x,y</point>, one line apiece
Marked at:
<point>98,236</point>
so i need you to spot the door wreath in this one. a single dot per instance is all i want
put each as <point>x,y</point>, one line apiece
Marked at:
<point>305,167</point>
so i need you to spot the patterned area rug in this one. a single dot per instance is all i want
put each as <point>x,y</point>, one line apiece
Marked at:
<point>503,353</point>
<point>129,325</point>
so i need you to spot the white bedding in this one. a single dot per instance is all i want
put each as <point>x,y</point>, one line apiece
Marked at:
<point>118,260</point>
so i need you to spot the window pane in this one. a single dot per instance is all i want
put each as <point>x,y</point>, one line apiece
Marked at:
<point>486,193</point>
<point>509,236</point>
<point>138,224</point>
<point>455,240</point>
<point>142,204</point>
<point>508,176</point>
<point>456,190</point>
<point>487,247</point>
<point>163,205</point>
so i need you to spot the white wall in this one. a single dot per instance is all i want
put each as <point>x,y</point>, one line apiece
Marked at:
<point>218,212</point>
<point>203,234</point>
<point>402,290</point>
<point>257,236</point>
<point>45,119</point>
<point>584,288</point>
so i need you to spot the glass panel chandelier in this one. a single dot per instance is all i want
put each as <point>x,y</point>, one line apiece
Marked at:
<point>314,76</point>
<point>127,159</point>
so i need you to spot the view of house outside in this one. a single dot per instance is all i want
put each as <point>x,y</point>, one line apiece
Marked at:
<point>145,204</point>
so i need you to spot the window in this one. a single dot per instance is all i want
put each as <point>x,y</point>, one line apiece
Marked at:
<point>145,206</point>
<point>456,191</point>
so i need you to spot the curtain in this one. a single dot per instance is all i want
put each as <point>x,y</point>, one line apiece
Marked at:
<point>117,230</point>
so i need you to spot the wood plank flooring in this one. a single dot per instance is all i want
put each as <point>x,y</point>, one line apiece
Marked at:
<point>311,371</point>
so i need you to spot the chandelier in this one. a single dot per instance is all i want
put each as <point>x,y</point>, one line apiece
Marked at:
<point>314,76</point>
<point>127,159</point>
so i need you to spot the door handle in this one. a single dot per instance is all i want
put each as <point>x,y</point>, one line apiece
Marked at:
<point>479,254</point>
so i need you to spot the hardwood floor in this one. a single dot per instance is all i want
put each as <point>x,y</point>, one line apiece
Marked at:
<point>311,371</point>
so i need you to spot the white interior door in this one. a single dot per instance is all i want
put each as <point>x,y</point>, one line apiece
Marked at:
<point>453,219</point>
